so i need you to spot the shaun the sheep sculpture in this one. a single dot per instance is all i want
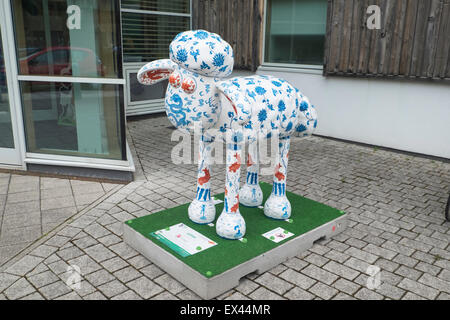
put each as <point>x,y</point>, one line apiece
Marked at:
<point>243,109</point>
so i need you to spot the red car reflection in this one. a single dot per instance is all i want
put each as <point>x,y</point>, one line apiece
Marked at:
<point>61,61</point>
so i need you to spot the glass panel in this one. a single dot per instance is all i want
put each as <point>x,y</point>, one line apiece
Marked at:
<point>67,37</point>
<point>295,31</point>
<point>146,37</point>
<point>6,133</point>
<point>73,119</point>
<point>178,6</point>
<point>139,92</point>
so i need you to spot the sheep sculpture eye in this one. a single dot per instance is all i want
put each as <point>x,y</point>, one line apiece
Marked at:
<point>188,85</point>
<point>175,80</point>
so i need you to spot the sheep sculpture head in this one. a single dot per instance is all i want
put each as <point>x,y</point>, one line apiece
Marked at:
<point>245,108</point>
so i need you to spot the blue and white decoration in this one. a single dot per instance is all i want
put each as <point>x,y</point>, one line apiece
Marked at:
<point>246,109</point>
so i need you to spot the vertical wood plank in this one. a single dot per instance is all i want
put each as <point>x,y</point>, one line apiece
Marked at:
<point>443,48</point>
<point>432,37</point>
<point>396,50</point>
<point>346,36</point>
<point>419,38</point>
<point>408,37</point>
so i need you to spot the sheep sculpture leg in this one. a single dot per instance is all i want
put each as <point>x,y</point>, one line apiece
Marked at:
<point>251,194</point>
<point>231,224</point>
<point>202,209</point>
<point>278,205</point>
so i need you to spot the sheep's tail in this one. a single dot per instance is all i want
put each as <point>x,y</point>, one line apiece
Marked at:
<point>308,116</point>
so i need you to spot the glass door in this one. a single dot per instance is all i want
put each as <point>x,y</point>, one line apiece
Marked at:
<point>9,151</point>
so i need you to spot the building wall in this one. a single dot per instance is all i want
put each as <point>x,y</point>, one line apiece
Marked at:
<point>405,115</point>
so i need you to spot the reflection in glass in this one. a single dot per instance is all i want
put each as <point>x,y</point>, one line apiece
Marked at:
<point>140,92</point>
<point>73,119</point>
<point>67,37</point>
<point>6,133</point>
<point>146,37</point>
<point>295,31</point>
<point>178,6</point>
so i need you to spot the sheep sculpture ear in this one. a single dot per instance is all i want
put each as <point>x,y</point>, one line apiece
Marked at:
<point>156,71</point>
<point>238,99</point>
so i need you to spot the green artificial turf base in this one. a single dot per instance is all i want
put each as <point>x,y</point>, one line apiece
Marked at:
<point>306,216</point>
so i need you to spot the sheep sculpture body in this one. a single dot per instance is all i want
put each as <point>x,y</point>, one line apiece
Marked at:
<point>244,109</point>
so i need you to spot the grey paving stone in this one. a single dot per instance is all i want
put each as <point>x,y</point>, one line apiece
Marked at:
<point>69,296</point>
<point>246,286</point>
<point>99,277</point>
<point>323,291</point>
<point>127,274</point>
<point>274,283</point>
<point>346,286</point>
<point>295,263</point>
<point>112,288</point>
<point>418,288</point>
<point>237,296</point>
<point>127,295</point>
<point>86,264</point>
<point>114,264</point>
<point>390,291</point>
<point>408,273</point>
<point>33,296</point>
<point>99,253</point>
<point>69,253</point>
<point>264,294</point>
<point>7,280</point>
<point>123,250</point>
<point>341,270</point>
<point>297,278</point>
<point>43,279</point>
<point>188,295</point>
<point>319,274</point>
<point>298,294</point>
<point>144,287</point>
<point>139,262</point>
<point>55,290</point>
<point>57,203</point>
<point>366,294</point>
<point>24,265</point>
<point>43,251</point>
<point>95,296</point>
<point>435,282</point>
<point>343,296</point>
<point>361,255</point>
<point>19,289</point>
<point>170,284</point>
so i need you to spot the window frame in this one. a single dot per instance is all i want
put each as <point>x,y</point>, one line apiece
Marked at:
<point>153,105</point>
<point>126,161</point>
<point>312,68</point>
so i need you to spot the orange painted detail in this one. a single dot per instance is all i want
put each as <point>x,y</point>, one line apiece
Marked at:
<point>250,161</point>
<point>188,85</point>
<point>175,80</point>
<point>280,176</point>
<point>154,75</point>
<point>205,178</point>
<point>237,165</point>
<point>236,206</point>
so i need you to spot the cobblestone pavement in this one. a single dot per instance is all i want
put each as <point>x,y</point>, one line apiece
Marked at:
<point>395,203</point>
<point>31,206</point>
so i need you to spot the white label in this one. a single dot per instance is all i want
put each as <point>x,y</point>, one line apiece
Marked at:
<point>277,235</point>
<point>184,240</point>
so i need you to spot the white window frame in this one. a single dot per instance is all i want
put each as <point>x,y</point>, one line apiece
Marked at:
<point>272,66</point>
<point>145,106</point>
<point>16,107</point>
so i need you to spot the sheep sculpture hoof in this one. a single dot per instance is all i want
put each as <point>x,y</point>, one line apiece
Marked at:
<point>237,110</point>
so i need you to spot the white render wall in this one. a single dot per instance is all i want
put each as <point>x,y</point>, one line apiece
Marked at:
<point>401,114</point>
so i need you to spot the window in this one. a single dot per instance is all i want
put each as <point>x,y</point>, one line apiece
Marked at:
<point>148,28</point>
<point>81,114</point>
<point>295,31</point>
<point>150,25</point>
